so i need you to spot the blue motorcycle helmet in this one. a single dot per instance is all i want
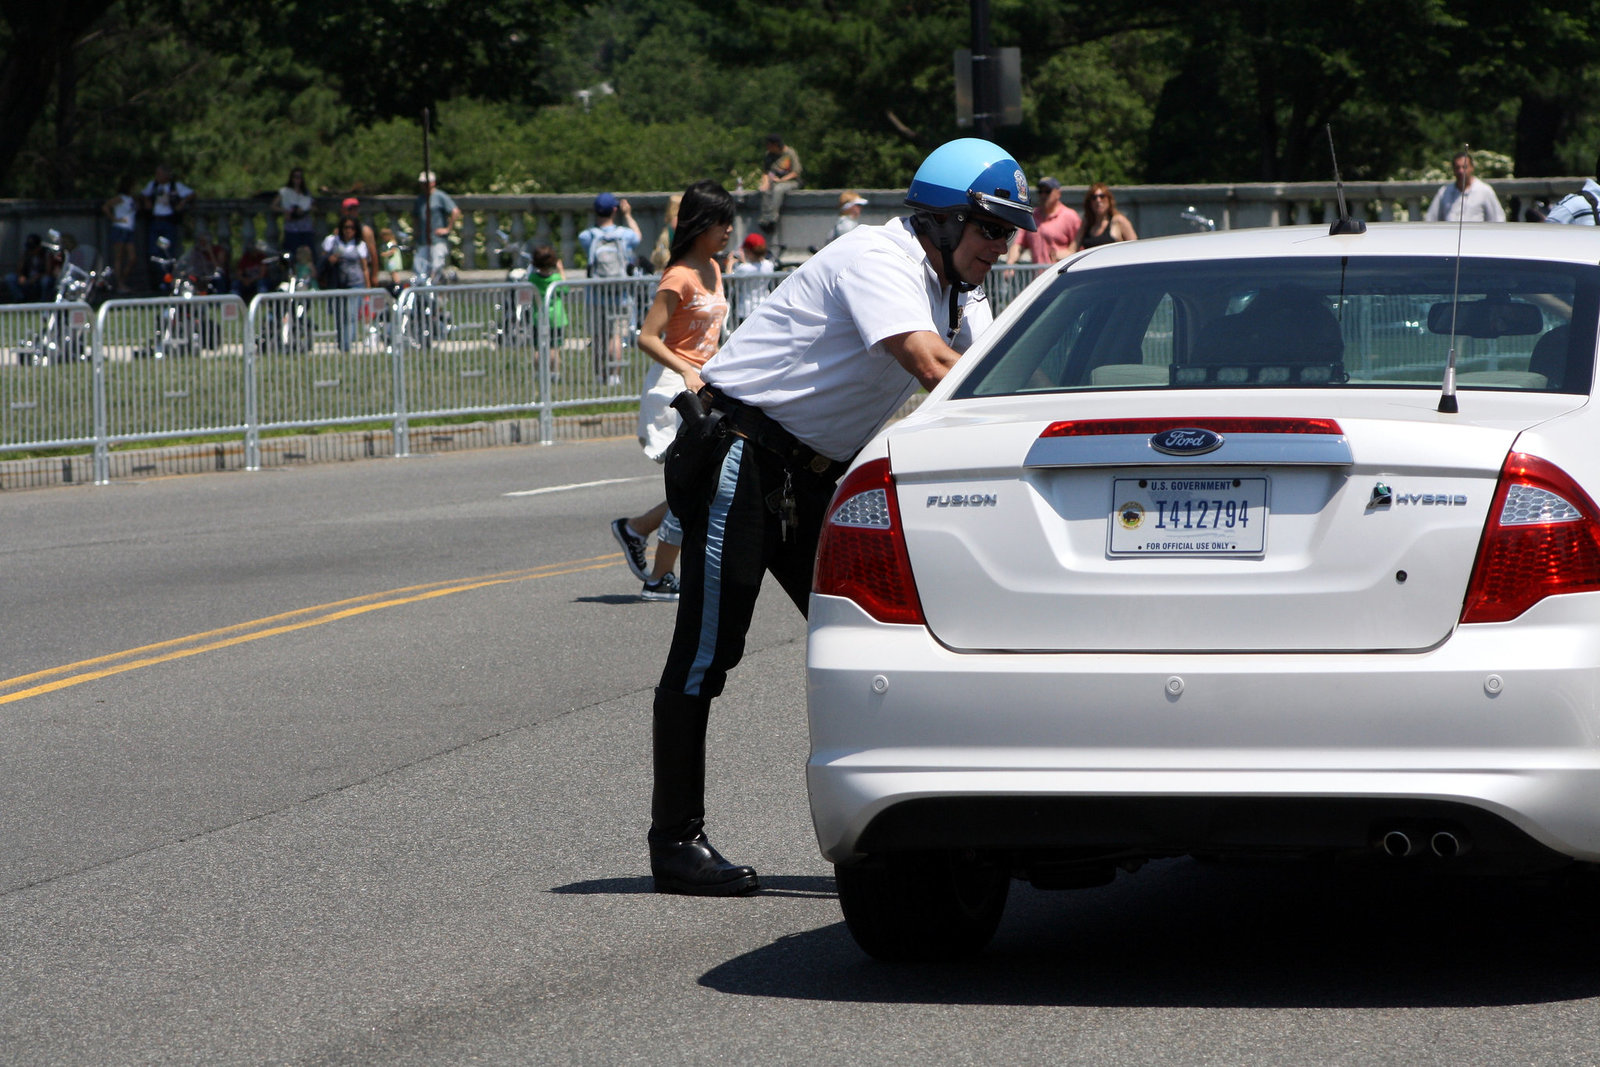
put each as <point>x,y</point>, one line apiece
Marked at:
<point>971,174</point>
<point>962,180</point>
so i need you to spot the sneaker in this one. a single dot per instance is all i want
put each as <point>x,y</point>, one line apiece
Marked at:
<point>632,548</point>
<point>665,589</point>
<point>614,379</point>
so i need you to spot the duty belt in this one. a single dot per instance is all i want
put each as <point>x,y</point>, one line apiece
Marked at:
<point>756,425</point>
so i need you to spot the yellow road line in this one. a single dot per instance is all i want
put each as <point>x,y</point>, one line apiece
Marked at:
<point>54,678</point>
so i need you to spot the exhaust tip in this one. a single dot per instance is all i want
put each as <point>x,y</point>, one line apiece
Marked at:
<point>1398,844</point>
<point>1446,845</point>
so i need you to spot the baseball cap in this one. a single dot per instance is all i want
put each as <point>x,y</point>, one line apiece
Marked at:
<point>349,201</point>
<point>1049,183</point>
<point>850,198</point>
<point>755,243</point>
<point>605,204</point>
<point>427,176</point>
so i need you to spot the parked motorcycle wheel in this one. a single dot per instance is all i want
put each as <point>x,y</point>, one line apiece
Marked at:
<point>514,329</point>
<point>288,334</point>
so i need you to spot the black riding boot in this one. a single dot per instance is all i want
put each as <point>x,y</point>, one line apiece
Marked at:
<point>681,859</point>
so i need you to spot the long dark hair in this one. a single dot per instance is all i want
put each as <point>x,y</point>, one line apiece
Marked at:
<point>705,204</point>
<point>290,182</point>
<point>1092,212</point>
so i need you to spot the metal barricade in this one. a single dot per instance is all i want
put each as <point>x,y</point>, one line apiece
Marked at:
<point>148,369</point>
<point>319,358</point>
<point>468,349</point>
<point>746,291</point>
<point>166,368</point>
<point>599,358</point>
<point>46,375</point>
<point>1006,281</point>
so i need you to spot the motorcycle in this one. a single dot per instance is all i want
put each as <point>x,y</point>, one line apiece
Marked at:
<point>1196,220</point>
<point>63,335</point>
<point>183,327</point>
<point>288,328</point>
<point>424,312</point>
<point>516,322</point>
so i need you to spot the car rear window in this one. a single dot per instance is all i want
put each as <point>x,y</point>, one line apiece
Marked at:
<point>1386,322</point>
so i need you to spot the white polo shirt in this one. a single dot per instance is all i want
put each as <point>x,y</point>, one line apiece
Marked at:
<point>1477,204</point>
<point>812,357</point>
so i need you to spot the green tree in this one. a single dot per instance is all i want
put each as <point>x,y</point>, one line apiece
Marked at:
<point>40,42</point>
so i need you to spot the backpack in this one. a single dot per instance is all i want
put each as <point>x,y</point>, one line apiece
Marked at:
<point>607,257</point>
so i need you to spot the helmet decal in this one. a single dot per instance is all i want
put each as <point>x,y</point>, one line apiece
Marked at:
<point>972,174</point>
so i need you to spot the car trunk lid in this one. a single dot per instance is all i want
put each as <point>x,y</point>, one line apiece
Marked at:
<point>1314,523</point>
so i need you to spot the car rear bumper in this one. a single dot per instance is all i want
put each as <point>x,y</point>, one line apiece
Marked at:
<point>1501,720</point>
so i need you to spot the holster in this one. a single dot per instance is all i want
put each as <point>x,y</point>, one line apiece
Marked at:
<point>691,455</point>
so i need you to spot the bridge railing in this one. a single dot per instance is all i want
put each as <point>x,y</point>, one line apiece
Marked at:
<point>808,214</point>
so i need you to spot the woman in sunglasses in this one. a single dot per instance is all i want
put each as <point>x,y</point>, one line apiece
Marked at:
<point>1102,222</point>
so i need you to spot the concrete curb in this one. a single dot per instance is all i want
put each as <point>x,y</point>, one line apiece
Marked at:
<point>304,449</point>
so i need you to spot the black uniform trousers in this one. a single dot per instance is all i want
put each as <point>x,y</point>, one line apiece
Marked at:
<point>729,545</point>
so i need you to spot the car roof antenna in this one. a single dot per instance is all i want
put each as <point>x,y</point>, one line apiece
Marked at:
<point>1344,223</point>
<point>1447,396</point>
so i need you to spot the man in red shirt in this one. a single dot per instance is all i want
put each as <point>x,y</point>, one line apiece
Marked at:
<point>1058,227</point>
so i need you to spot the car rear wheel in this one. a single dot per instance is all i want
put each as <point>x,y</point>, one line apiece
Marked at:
<point>922,908</point>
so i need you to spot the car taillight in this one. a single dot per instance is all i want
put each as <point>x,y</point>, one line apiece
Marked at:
<point>1542,539</point>
<point>862,552</point>
<point>1107,427</point>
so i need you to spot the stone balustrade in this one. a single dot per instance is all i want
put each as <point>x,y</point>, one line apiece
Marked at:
<point>808,217</point>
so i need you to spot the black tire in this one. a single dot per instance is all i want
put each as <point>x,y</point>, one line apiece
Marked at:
<point>514,330</point>
<point>921,909</point>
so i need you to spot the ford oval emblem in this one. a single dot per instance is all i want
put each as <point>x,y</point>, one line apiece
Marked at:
<point>1186,441</point>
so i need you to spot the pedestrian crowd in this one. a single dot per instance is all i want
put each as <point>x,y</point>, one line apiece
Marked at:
<point>307,247</point>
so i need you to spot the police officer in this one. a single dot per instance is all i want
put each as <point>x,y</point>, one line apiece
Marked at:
<point>1581,208</point>
<point>795,393</point>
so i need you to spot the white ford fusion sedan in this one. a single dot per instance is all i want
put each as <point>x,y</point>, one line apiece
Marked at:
<point>1260,543</point>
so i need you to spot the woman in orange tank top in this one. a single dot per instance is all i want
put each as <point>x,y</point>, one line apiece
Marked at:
<point>682,329</point>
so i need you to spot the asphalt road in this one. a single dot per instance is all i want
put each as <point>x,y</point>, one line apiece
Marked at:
<point>347,764</point>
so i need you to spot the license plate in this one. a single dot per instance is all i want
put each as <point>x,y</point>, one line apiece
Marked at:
<point>1188,516</point>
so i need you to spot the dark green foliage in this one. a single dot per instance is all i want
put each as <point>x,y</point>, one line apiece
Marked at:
<point>1160,91</point>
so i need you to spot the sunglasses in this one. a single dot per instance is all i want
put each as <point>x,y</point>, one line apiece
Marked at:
<point>995,231</point>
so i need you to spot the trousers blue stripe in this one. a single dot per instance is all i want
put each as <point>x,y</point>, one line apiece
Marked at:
<point>716,537</point>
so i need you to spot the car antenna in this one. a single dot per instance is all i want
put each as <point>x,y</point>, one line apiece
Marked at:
<point>1447,397</point>
<point>1344,223</point>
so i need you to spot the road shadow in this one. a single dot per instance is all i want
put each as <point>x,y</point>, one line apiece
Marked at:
<point>617,599</point>
<point>772,885</point>
<point>1183,934</point>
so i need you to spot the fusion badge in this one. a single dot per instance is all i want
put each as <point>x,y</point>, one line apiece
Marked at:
<point>964,500</point>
